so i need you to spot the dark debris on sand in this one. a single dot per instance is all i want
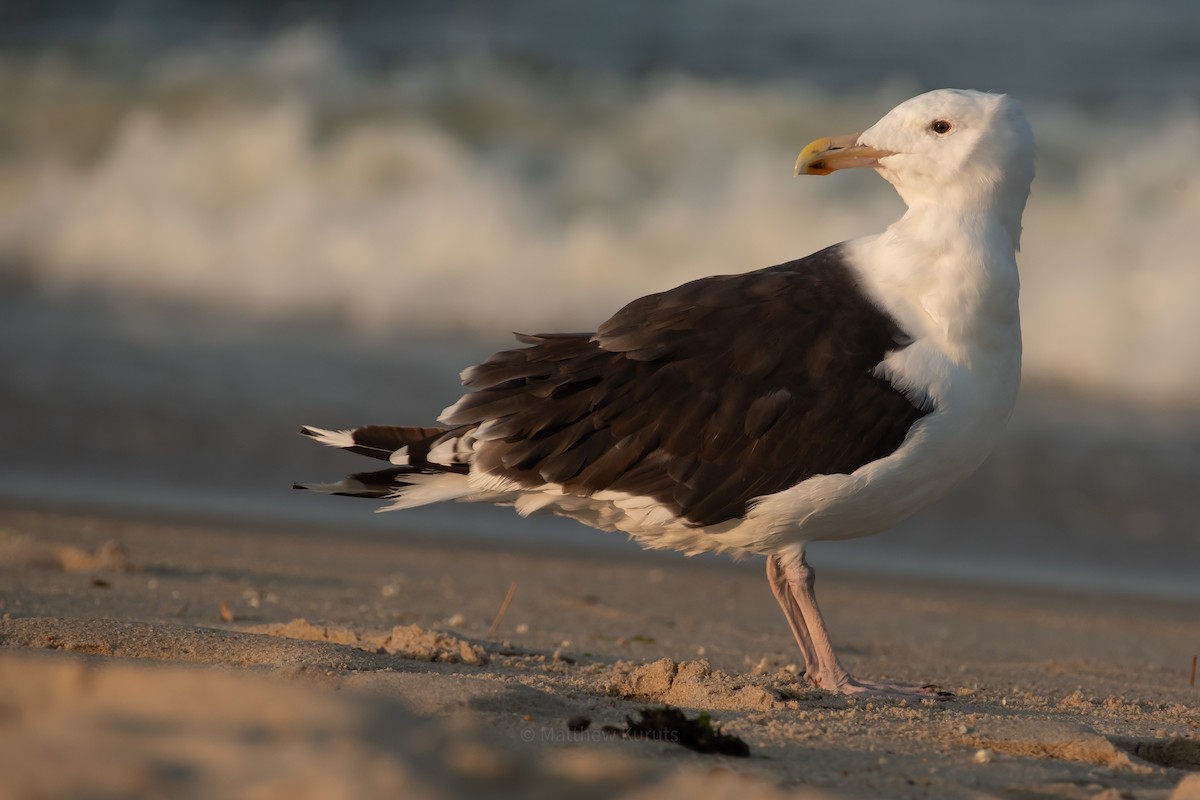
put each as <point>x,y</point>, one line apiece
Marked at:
<point>669,724</point>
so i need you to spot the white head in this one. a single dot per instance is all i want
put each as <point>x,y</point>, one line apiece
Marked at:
<point>957,148</point>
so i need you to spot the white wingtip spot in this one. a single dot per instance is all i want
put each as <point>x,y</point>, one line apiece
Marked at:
<point>400,457</point>
<point>331,438</point>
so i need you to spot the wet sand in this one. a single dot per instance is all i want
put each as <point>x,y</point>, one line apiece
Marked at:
<point>145,657</point>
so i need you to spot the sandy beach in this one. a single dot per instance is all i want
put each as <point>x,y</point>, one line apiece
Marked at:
<point>145,657</point>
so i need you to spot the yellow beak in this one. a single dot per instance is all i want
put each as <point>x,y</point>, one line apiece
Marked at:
<point>837,152</point>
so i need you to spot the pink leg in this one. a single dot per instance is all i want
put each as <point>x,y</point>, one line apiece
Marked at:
<point>793,583</point>
<point>783,595</point>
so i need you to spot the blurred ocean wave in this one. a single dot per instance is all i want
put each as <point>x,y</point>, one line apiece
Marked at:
<point>429,199</point>
<point>280,184</point>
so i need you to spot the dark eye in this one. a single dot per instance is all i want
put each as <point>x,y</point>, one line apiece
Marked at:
<point>941,127</point>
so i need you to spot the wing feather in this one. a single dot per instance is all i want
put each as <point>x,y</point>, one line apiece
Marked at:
<point>703,397</point>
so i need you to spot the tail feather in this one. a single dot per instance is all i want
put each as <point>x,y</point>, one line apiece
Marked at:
<point>431,464</point>
<point>378,485</point>
<point>376,441</point>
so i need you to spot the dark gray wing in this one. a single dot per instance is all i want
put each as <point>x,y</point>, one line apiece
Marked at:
<point>703,397</point>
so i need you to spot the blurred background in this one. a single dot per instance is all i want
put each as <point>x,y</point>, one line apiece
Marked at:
<point>220,220</point>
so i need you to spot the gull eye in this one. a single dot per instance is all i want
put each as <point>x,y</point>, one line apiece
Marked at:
<point>941,127</point>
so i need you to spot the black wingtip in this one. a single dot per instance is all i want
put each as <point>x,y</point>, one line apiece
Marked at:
<point>307,431</point>
<point>300,486</point>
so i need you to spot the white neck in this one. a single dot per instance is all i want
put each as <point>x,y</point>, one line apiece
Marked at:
<point>947,275</point>
<point>990,194</point>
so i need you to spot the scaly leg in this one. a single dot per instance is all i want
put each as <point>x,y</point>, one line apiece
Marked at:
<point>783,595</point>
<point>793,583</point>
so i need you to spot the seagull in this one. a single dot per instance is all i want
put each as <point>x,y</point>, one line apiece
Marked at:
<point>824,398</point>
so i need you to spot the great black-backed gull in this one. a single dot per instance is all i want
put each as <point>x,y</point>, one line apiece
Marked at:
<point>825,398</point>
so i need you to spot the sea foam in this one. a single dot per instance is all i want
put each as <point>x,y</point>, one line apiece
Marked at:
<point>474,197</point>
